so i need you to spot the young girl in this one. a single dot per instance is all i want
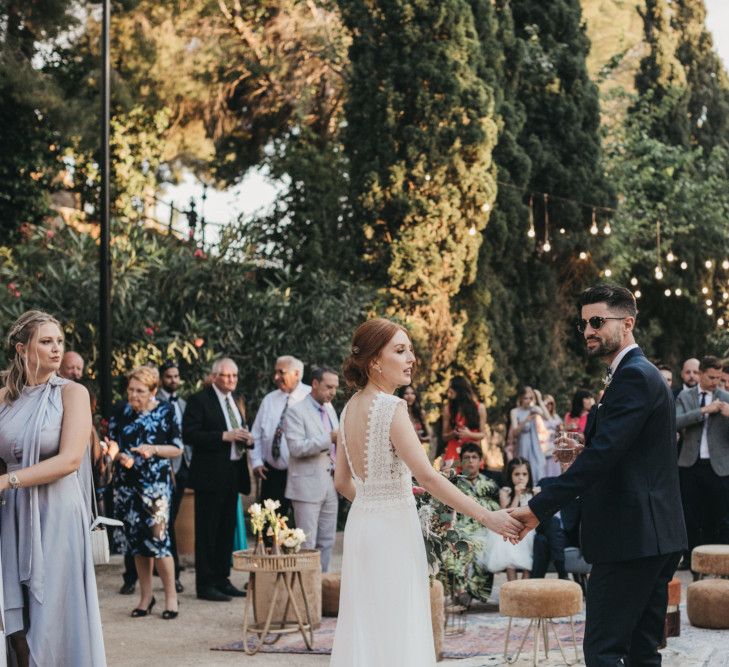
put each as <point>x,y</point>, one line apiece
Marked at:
<point>501,555</point>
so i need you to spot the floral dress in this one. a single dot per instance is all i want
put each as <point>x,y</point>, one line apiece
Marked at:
<point>466,571</point>
<point>143,493</point>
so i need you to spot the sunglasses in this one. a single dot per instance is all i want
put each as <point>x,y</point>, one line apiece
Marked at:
<point>596,322</point>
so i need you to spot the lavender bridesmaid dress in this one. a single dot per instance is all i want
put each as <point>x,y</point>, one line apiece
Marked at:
<point>47,565</point>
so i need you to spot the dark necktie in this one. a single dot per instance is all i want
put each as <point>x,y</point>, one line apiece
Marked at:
<point>276,444</point>
<point>173,398</point>
<point>702,404</point>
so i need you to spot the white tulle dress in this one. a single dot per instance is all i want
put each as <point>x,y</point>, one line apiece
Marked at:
<point>384,606</point>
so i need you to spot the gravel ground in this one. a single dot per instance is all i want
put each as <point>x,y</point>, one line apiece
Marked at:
<point>187,640</point>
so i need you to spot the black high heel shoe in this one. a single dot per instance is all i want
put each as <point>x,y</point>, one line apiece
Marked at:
<point>168,614</point>
<point>137,613</point>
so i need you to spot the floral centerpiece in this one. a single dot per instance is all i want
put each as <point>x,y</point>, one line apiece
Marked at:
<point>442,535</point>
<point>265,517</point>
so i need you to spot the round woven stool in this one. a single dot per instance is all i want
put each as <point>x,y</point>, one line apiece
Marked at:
<point>707,604</point>
<point>711,559</point>
<point>540,600</point>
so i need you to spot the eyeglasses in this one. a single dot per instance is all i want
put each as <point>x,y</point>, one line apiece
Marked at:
<point>596,322</point>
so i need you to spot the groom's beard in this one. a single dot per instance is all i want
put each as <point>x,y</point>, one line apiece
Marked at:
<point>606,347</point>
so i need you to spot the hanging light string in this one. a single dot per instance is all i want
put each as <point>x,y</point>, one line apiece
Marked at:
<point>531,233</point>
<point>547,246</point>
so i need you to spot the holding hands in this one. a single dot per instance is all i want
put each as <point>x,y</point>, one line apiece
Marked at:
<point>505,524</point>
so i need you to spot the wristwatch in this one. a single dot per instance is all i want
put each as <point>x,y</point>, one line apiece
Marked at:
<point>13,481</point>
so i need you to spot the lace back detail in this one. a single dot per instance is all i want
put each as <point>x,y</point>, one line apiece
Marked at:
<point>387,480</point>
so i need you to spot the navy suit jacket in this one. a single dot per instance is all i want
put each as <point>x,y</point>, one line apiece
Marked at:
<point>627,476</point>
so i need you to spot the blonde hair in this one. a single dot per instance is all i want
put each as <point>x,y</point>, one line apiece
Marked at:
<point>147,375</point>
<point>24,331</point>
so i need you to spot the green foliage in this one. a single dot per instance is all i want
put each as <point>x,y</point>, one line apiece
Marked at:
<point>419,136</point>
<point>685,191</point>
<point>170,300</point>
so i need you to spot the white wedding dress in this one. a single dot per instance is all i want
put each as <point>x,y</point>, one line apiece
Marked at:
<point>384,605</point>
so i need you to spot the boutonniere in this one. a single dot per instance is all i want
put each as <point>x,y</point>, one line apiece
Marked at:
<point>608,377</point>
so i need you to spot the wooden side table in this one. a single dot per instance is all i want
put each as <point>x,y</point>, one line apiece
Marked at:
<point>288,569</point>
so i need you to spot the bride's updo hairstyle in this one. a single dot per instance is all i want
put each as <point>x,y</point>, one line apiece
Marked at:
<point>367,343</point>
<point>23,330</point>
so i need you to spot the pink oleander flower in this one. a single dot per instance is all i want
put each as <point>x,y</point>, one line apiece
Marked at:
<point>149,331</point>
<point>418,490</point>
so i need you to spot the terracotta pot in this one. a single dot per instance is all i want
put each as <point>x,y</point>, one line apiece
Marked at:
<point>437,616</point>
<point>185,525</point>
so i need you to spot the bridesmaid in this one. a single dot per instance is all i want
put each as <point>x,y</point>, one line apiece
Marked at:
<point>47,564</point>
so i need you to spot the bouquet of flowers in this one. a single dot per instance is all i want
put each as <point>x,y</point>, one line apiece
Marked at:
<point>281,535</point>
<point>292,539</point>
<point>441,533</point>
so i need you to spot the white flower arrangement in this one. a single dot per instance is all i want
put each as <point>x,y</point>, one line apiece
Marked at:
<point>291,539</point>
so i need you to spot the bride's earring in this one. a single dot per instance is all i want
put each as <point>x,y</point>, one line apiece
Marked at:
<point>379,370</point>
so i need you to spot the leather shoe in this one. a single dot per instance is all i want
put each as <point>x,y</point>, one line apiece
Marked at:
<point>127,589</point>
<point>179,587</point>
<point>228,589</point>
<point>213,595</point>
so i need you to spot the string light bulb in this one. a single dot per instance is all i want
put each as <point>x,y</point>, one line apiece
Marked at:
<point>667,292</point>
<point>670,257</point>
<point>607,229</point>
<point>708,263</point>
<point>608,273</point>
<point>709,302</point>
<point>637,294</point>
<point>531,233</point>
<point>594,230</point>
<point>472,231</point>
<point>486,207</point>
<point>725,264</point>
<point>704,290</point>
<point>547,246</point>
<point>659,273</point>
<point>709,311</point>
<point>720,321</point>
<point>678,291</point>
<point>684,266</point>
<point>725,296</point>
<point>562,230</point>
<point>583,255</point>
<point>633,281</point>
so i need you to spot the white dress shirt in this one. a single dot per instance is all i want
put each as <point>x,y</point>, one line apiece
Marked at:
<point>704,448</point>
<point>267,421</point>
<point>223,398</point>
<point>619,357</point>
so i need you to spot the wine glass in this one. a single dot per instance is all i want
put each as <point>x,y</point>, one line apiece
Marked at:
<point>567,446</point>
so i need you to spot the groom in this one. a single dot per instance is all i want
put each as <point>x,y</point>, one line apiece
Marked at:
<point>632,529</point>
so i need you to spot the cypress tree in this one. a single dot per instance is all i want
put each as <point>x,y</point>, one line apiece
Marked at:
<point>419,137</point>
<point>549,142</point>
<point>706,79</point>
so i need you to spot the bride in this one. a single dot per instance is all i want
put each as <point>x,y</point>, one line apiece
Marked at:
<point>384,606</point>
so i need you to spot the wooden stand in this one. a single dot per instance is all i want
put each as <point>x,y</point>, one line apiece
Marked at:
<point>288,569</point>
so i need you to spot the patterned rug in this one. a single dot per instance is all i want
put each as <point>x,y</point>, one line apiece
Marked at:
<point>484,636</point>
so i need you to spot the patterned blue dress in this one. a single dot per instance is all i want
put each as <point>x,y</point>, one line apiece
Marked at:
<point>143,493</point>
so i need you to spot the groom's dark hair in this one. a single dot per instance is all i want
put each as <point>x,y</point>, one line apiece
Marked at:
<point>616,298</point>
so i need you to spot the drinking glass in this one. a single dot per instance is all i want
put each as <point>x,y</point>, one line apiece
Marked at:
<point>567,446</point>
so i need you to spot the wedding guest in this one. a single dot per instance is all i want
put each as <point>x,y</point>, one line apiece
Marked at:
<point>311,427</point>
<point>667,374</point>
<point>214,425</point>
<point>169,376</point>
<point>464,419</point>
<point>576,419</point>
<point>702,416</point>
<point>415,412</point>
<point>689,375</point>
<point>528,432</point>
<point>270,458</point>
<point>72,366</point>
<point>553,423</point>
<point>468,572</point>
<point>148,437</point>
<point>550,541</point>
<point>724,383</point>
<point>47,562</point>
<point>502,555</point>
